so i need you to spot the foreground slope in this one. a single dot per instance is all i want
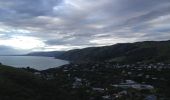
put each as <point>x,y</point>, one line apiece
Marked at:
<point>17,84</point>
<point>24,84</point>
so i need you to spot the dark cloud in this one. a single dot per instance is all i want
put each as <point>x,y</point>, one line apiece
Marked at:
<point>6,50</point>
<point>83,23</point>
<point>29,7</point>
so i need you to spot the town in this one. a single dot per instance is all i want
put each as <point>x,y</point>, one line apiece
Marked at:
<point>109,81</point>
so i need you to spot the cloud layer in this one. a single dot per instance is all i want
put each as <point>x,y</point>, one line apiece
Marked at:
<point>68,24</point>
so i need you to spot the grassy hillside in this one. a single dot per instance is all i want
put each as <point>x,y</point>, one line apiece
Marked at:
<point>17,84</point>
<point>148,51</point>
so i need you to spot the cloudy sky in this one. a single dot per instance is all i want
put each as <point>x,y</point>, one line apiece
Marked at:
<point>46,25</point>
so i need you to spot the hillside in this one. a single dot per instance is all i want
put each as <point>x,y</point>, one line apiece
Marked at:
<point>17,84</point>
<point>23,84</point>
<point>148,51</point>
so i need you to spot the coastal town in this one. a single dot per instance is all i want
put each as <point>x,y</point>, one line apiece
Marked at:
<point>108,81</point>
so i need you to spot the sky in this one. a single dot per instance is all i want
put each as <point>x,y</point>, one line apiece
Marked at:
<point>57,25</point>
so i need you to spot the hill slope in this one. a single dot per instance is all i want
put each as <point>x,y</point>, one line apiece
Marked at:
<point>14,83</point>
<point>148,51</point>
<point>21,84</point>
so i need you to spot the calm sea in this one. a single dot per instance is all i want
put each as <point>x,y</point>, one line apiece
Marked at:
<point>36,62</point>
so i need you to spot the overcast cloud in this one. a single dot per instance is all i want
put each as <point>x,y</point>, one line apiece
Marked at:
<point>42,25</point>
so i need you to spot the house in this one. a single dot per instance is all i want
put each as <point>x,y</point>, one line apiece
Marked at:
<point>98,89</point>
<point>77,83</point>
<point>106,97</point>
<point>49,76</point>
<point>134,85</point>
<point>37,74</point>
<point>151,97</point>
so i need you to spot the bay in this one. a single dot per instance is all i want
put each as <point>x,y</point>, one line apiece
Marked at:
<point>36,62</point>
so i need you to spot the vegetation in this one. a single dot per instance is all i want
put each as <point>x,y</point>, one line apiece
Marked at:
<point>149,51</point>
<point>17,84</point>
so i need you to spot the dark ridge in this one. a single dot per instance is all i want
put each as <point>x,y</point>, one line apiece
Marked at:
<point>147,51</point>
